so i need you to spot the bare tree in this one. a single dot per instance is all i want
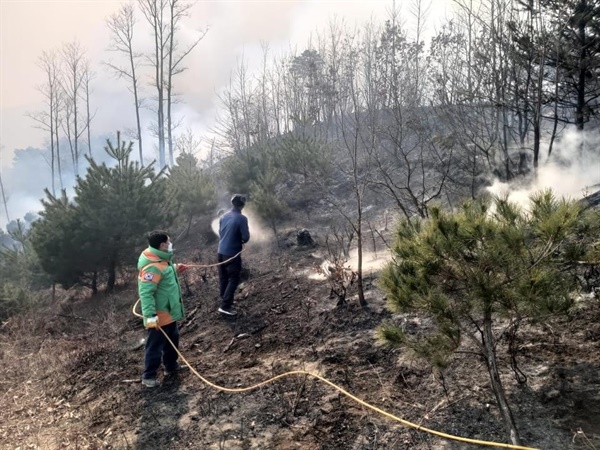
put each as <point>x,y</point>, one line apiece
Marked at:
<point>4,195</point>
<point>187,142</point>
<point>500,16</point>
<point>88,75</point>
<point>122,25</point>
<point>264,125</point>
<point>154,11</point>
<point>470,66</point>
<point>419,10</point>
<point>277,98</point>
<point>75,71</point>
<point>177,10</point>
<point>239,129</point>
<point>49,119</point>
<point>329,45</point>
<point>410,164</point>
<point>164,17</point>
<point>357,135</point>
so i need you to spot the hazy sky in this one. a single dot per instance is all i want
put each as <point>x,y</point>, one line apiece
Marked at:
<point>236,28</point>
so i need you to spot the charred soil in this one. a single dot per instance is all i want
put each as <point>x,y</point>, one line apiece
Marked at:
<point>69,375</point>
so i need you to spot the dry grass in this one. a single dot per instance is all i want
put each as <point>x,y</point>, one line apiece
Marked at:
<point>38,350</point>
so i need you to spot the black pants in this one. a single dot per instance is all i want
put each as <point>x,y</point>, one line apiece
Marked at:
<point>158,349</point>
<point>229,279</point>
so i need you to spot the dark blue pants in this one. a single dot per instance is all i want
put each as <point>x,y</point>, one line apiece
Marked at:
<point>229,279</point>
<point>158,349</point>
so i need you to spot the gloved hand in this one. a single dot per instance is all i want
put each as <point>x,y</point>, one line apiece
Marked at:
<point>182,268</point>
<point>152,322</point>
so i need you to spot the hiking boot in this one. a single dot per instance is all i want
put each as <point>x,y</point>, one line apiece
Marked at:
<point>180,368</point>
<point>150,382</point>
<point>228,312</point>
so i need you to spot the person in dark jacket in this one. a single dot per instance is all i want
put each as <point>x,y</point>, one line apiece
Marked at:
<point>233,234</point>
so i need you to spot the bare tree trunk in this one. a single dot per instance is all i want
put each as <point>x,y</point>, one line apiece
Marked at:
<point>87,77</point>
<point>153,11</point>
<point>420,12</point>
<point>122,25</point>
<point>58,163</point>
<point>556,86</point>
<point>76,71</point>
<point>351,137</point>
<point>189,224</point>
<point>67,127</point>
<point>582,70</point>
<point>75,128</point>
<point>470,28</point>
<point>170,127</point>
<point>490,358</point>
<point>173,24</point>
<point>177,10</point>
<point>52,156</point>
<point>57,123</point>
<point>503,99</point>
<point>165,41</point>
<point>277,99</point>
<point>160,83</point>
<point>95,283</point>
<point>359,264</point>
<point>4,199</point>
<point>539,94</point>
<point>112,276</point>
<point>48,119</point>
<point>536,145</point>
<point>264,131</point>
<point>52,98</point>
<point>137,117</point>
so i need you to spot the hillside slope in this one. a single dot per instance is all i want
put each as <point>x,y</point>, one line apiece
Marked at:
<point>69,376</point>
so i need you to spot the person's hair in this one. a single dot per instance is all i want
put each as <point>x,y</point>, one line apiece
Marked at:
<point>238,200</point>
<point>157,237</point>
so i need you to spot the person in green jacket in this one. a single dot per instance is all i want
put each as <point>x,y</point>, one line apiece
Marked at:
<point>160,297</point>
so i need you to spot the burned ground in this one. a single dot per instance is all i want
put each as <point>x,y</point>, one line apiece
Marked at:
<point>70,374</point>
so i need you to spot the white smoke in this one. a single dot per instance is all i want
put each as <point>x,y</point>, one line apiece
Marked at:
<point>572,171</point>
<point>259,232</point>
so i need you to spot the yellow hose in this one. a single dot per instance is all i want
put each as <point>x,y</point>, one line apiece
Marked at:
<point>343,391</point>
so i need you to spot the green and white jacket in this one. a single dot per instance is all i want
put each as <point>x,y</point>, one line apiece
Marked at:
<point>158,287</point>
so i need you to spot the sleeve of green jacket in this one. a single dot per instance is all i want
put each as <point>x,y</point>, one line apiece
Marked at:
<point>146,290</point>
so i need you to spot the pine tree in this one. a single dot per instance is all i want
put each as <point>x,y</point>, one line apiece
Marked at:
<point>266,200</point>
<point>486,267</point>
<point>242,169</point>
<point>81,241</point>
<point>192,188</point>
<point>21,276</point>
<point>55,240</point>
<point>303,155</point>
<point>117,206</point>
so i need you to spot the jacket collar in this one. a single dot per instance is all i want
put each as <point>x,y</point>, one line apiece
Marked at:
<point>158,254</point>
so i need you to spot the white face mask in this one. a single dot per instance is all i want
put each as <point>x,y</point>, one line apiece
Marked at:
<point>170,247</point>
